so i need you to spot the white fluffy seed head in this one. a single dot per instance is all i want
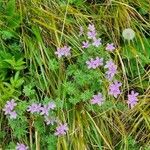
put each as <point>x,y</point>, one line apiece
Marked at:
<point>128,34</point>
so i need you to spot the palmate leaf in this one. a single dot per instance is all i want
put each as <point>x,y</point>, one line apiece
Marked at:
<point>16,64</point>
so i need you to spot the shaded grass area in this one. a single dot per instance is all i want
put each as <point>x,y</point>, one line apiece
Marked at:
<point>31,31</point>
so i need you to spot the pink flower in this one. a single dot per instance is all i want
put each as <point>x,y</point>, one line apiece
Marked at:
<point>13,115</point>
<point>45,110</point>
<point>112,69</point>
<point>94,63</point>
<point>9,109</point>
<point>91,31</point>
<point>50,120</point>
<point>96,42</point>
<point>97,99</point>
<point>132,99</point>
<point>34,108</point>
<point>91,34</point>
<point>51,105</point>
<point>61,129</point>
<point>91,27</point>
<point>85,44</point>
<point>110,47</point>
<point>21,147</point>
<point>64,51</point>
<point>114,89</point>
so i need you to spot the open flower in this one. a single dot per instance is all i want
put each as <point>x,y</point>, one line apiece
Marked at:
<point>97,99</point>
<point>114,89</point>
<point>21,146</point>
<point>112,69</point>
<point>85,44</point>
<point>34,108</point>
<point>91,31</point>
<point>61,129</point>
<point>132,99</point>
<point>64,51</point>
<point>94,63</point>
<point>128,34</point>
<point>96,42</point>
<point>50,120</point>
<point>110,47</point>
<point>9,109</point>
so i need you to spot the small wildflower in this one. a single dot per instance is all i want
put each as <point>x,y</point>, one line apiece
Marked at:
<point>96,42</point>
<point>85,44</point>
<point>91,34</point>
<point>9,109</point>
<point>64,51</point>
<point>110,47</point>
<point>21,147</point>
<point>34,108</point>
<point>97,99</point>
<point>13,115</point>
<point>81,31</point>
<point>91,27</point>
<point>114,89</point>
<point>45,110</point>
<point>50,120</point>
<point>112,69</point>
<point>61,129</point>
<point>94,63</point>
<point>51,105</point>
<point>128,34</point>
<point>132,99</point>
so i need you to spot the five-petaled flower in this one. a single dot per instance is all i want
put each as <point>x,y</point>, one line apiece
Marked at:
<point>85,44</point>
<point>94,63</point>
<point>110,47</point>
<point>132,99</point>
<point>91,31</point>
<point>63,51</point>
<point>9,109</point>
<point>21,146</point>
<point>96,42</point>
<point>114,89</point>
<point>97,99</point>
<point>34,108</point>
<point>61,129</point>
<point>112,69</point>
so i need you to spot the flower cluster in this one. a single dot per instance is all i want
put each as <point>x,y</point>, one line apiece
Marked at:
<point>9,109</point>
<point>63,51</point>
<point>94,63</point>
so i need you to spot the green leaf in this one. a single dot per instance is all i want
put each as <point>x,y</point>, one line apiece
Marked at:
<point>10,8</point>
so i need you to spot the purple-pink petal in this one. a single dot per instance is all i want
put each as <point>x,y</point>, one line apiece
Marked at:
<point>132,99</point>
<point>21,146</point>
<point>97,99</point>
<point>110,47</point>
<point>114,89</point>
<point>61,129</point>
<point>85,44</point>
